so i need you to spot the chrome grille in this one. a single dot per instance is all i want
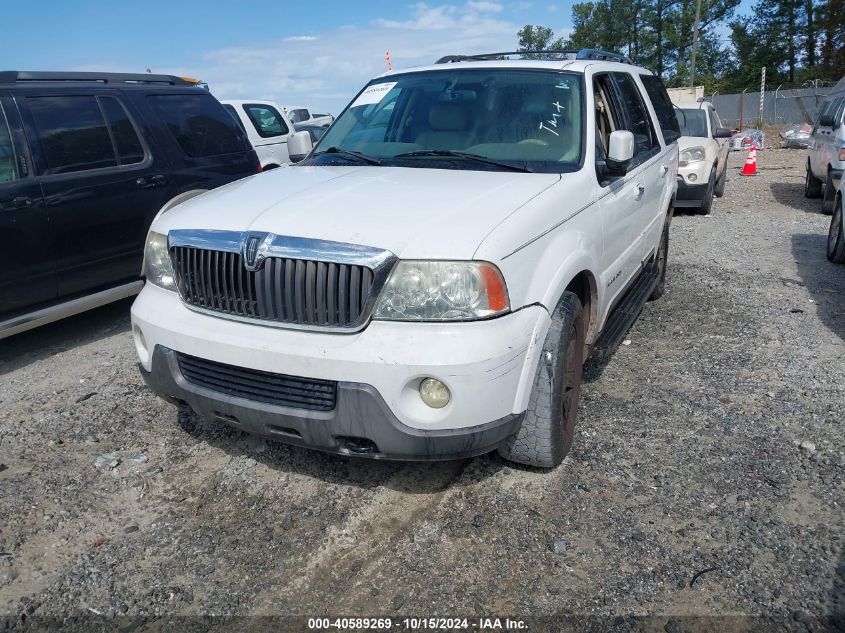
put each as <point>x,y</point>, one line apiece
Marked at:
<point>282,290</point>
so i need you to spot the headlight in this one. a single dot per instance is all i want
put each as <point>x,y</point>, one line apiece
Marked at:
<point>158,268</point>
<point>692,155</point>
<point>442,291</point>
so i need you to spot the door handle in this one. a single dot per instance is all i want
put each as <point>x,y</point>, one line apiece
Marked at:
<point>149,182</point>
<point>21,202</point>
<point>664,169</point>
<point>640,191</point>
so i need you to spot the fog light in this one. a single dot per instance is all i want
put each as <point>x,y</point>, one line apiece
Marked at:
<point>141,344</point>
<point>692,177</point>
<point>434,393</point>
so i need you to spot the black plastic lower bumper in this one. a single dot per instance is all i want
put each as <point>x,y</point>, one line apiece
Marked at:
<point>360,424</point>
<point>689,195</point>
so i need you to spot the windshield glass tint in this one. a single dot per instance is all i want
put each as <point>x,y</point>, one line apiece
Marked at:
<point>526,118</point>
<point>693,122</point>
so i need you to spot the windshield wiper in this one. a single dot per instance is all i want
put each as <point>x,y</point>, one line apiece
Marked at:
<point>349,152</point>
<point>447,153</point>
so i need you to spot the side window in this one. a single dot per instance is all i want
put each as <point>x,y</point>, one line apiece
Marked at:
<point>8,163</point>
<point>717,122</point>
<point>663,107</point>
<point>837,115</point>
<point>266,119</point>
<point>72,133</point>
<point>639,121</point>
<point>231,110</point>
<point>200,124</point>
<point>608,116</point>
<point>126,141</point>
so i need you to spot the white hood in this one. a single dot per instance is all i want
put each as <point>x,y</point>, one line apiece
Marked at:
<point>413,212</point>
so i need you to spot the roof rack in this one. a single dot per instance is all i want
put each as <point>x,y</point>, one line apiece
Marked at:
<point>16,76</point>
<point>583,53</point>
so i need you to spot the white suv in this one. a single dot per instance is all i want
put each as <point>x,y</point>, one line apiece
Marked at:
<point>427,283</point>
<point>702,172</point>
<point>826,151</point>
<point>267,127</point>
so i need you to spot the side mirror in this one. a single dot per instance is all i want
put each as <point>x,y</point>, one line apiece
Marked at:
<point>722,132</point>
<point>826,120</point>
<point>299,145</point>
<point>620,152</point>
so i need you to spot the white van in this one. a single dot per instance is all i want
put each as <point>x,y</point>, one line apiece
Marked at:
<point>267,127</point>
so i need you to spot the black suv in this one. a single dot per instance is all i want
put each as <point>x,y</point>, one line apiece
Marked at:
<point>87,160</point>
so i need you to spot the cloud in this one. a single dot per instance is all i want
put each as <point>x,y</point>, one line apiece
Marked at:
<point>488,7</point>
<point>327,69</point>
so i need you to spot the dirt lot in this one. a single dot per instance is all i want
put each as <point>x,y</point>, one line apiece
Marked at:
<point>706,477</point>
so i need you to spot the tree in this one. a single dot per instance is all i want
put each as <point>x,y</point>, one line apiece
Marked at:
<point>538,38</point>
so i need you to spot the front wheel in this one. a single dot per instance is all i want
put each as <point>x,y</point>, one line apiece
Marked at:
<point>836,237</point>
<point>812,185</point>
<point>545,436</point>
<point>707,201</point>
<point>660,263</point>
<point>719,191</point>
<point>829,195</point>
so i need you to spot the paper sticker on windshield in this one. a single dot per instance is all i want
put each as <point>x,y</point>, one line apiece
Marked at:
<point>374,94</point>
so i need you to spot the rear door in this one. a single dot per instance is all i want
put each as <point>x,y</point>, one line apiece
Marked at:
<point>205,146</point>
<point>101,181</point>
<point>27,275</point>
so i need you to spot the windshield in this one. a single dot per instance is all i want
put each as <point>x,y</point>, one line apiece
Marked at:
<point>488,119</point>
<point>693,121</point>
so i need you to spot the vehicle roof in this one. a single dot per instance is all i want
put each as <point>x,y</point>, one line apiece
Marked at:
<point>571,65</point>
<point>251,101</point>
<point>145,81</point>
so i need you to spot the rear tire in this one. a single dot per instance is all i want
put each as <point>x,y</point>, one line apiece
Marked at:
<point>661,262</point>
<point>812,185</point>
<point>836,236</point>
<point>829,195</point>
<point>545,436</point>
<point>707,201</point>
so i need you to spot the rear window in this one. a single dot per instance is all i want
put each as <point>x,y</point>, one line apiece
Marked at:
<point>72,133</point>
<point>200,124</point>
<point>662,107</point>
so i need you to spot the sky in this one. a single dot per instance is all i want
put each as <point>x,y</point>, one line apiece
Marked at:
<point>317,54</point>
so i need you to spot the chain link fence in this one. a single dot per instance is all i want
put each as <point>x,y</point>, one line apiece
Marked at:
<point>800,105</point>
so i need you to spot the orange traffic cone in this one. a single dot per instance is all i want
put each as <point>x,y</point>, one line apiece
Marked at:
<point>750,167</point>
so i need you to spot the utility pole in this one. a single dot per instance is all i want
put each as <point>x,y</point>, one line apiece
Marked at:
<point>694,43</point>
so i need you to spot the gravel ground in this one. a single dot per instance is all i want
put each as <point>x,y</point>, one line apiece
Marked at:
<point>706,477</point>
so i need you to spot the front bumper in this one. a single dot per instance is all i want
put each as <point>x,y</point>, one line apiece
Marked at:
<point>690,195</point>
<point>360,424</point>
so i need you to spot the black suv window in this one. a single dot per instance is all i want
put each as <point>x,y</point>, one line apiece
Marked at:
<point>639,121</point>
<point>8,168</point>
<point>266,119</point>
<point>126,141</point>
<point>663,107</point>
<point>72,132</point>
<point>200,124</point>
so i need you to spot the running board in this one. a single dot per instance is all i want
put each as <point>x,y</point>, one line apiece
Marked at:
<point>620,320</point>
<point>69,308</point>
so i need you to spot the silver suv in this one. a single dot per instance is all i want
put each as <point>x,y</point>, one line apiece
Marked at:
<point>826,151</point>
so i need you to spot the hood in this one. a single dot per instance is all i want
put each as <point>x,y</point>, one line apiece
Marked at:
<point>413,212</point>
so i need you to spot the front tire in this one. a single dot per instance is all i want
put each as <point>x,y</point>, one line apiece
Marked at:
<point>719,191</point>
<point>546,433</point>
<point>812,185</point>
<point>707,202</point>
<point>661,263</point>
<point>829,195</point>
<point>836,236</point>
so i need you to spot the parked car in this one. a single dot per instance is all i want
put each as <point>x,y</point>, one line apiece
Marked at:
<point>86,162</point>
<point>300,115</point>
<point>424,285</point>
<point>702,171</point>
<point>836,233</point>
<point>267,127</point>
<point>826,150</point>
